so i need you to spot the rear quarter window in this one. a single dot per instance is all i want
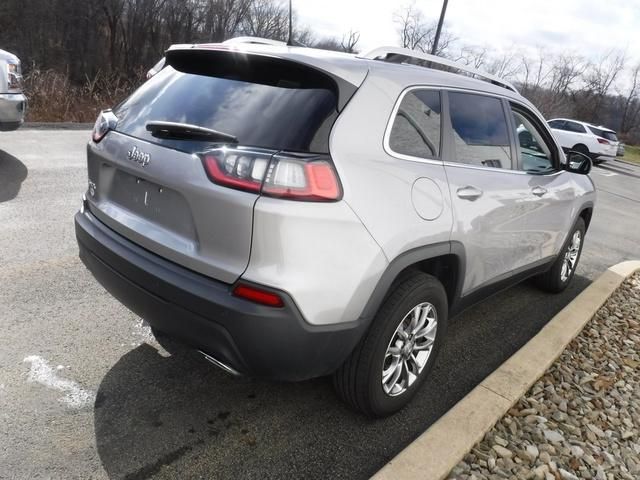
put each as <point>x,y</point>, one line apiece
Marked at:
<point>417,125</point>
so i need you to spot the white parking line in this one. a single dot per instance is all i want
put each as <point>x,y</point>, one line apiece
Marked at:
<point>42,373</point>
<point>604,173</point>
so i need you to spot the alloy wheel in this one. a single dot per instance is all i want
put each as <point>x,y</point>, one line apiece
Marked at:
<point>571,256</point>
<point>409,349</point>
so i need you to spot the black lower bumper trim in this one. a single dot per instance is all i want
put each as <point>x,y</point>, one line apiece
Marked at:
<point>251,339</point>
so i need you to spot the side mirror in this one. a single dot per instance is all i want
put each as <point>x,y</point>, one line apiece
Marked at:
<point>578,163</point>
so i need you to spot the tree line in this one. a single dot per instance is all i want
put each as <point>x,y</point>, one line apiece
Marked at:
<point>85,37</point>
<point>602,90</point>
<point>94,46</point>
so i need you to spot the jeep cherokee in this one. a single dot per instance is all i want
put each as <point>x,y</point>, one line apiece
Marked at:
<point>293,213</point>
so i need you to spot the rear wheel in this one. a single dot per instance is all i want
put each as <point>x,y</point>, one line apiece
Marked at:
<point>583,149</point>
<point>563,269</point>
<point>394,358</point>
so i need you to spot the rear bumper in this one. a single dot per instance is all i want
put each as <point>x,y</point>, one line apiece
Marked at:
<point>13,107</point>
<point>251,339</point>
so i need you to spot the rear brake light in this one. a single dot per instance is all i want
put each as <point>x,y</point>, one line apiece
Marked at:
<point>257,295</point>
<point>603,141</point>
<point>304,177</point>
<point>242,170</point>
<point>298,178</point>
<point>106,121</point>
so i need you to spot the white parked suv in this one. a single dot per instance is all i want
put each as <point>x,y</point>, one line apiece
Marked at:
<point>600,143</point>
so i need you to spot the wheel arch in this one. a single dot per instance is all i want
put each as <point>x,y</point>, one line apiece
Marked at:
<point>577,147</point>
<point>586,213</point>
<point>445,261</point>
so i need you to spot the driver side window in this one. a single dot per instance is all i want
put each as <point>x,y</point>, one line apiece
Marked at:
<point>535,154</point>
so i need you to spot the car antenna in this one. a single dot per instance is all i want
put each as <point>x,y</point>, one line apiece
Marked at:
<point>290,39</point>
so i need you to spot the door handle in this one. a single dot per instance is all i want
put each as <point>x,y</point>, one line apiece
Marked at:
<point>538,191</point>
<point>469,193</point>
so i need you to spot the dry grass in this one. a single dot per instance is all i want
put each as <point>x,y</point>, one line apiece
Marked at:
<point>632,153</point>
<point>53,98</point>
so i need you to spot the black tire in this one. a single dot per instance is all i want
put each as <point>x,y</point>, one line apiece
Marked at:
<point>580,148</point>
<point>359,380</point>
<point>552,281</point>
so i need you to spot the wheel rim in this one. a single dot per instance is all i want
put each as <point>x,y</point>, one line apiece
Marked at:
<point>571,256</point>
<point>409,349</point>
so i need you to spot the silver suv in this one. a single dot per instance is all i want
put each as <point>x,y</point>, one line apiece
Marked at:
<point>294,213</point>
<point>12,101</point>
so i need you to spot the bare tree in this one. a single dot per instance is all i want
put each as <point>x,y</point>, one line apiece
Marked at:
<point>473,56</point>
<point>416,33</point>
<point>535,70</point>
<point>599,77</point>
<point>350,41</point>
<point>631,105</point>
<point>267,19</point>
<point>505,65</point>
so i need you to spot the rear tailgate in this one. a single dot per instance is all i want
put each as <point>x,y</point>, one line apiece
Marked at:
<point>155,191</point>
<point>170,207</point>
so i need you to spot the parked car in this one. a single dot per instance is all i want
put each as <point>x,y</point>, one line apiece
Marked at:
<point>12,101</point>
<point>294,213</point>
<point>621,149</point>
<point>599,143</point>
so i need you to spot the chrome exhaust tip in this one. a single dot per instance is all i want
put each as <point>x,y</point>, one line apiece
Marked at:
<point>219,364</point>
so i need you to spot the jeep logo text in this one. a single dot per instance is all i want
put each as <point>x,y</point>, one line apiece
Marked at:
<point>138,156</point>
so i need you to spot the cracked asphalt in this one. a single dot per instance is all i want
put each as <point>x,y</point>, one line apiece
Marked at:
<point>85,392</point>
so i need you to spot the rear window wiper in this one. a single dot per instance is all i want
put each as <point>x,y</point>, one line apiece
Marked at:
<point>185,131</point>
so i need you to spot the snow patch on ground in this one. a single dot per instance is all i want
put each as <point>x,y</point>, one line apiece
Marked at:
<point>75,396</point>
<point>143,332</point>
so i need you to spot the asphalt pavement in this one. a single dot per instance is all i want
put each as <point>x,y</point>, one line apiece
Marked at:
<point>85,392</point>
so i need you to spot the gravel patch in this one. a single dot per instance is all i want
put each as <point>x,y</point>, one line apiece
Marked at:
<point>581,419</point>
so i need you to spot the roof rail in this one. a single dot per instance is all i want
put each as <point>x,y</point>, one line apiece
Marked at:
<point>258,40</point>
<point>398,55</point>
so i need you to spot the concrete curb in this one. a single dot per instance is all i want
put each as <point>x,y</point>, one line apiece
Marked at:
<point>434,453</point>
<point>628,162</point>
<point>56,126</point>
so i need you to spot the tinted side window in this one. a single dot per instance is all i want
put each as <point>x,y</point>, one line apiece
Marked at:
<point>558,124</point>
<point>416,128</point>
<point>479,130</point>
<point>535,154</point>
<point>575,127</point>
<point>611,136</point>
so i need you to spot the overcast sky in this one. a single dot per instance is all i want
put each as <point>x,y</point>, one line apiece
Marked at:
<point>588,27</point>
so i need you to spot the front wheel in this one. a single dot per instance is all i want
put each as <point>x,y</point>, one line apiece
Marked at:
<point>560,274</point>
<point>394,358</point>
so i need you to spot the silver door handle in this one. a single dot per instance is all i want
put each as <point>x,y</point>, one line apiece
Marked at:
<point>469,193</point>
<point>538,191</point>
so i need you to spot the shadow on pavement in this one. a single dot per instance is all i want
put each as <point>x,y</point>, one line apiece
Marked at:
<point>12,173</point>
<point>178,417</point>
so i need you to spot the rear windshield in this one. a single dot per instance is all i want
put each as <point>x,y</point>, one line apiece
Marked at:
<point>611,136</point>
<point>277,109</point>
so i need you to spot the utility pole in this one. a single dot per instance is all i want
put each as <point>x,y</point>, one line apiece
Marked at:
<point>290,39</point>
<point>434,49</point>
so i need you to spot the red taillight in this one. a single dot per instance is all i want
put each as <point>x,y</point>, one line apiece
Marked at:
<point>603,141</point>
<point>257,295</point>
<point>241,171</point>
<point>304,177</point>
<point>294,178</point>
